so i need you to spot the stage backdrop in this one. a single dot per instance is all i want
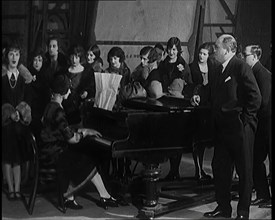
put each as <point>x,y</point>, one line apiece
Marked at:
<point>135,24</point>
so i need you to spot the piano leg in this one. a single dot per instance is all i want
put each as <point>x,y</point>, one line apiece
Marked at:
<point>150,202</point>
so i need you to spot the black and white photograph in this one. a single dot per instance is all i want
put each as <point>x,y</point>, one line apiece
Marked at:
<point>136,109</point>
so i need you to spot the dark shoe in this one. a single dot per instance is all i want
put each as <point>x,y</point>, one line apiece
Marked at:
<point>241,217</point>
<point>72,204</point>
<point>259,201</point>
<point>204,179</point>
<point>11,196</point>
<point>268,205</point>
<point>110,202</point>
<point>217,213</point>
<point>235,197</point>
<point>18,195</point>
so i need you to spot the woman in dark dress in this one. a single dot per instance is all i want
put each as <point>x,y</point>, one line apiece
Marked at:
<point>94,59</point>
<point>62,147</point>
<point>16,116</point>
<point>40,89</point>
<point>172,70</point>
<point>55,58</point>
<point>75,74</point>
<point>94,64</point>
<point>117,65</point>
<point>21,68</point>
<point>172,75</point>
<point>200,71</point>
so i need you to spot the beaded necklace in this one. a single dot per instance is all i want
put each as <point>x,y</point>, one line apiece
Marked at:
<point>14,84</point>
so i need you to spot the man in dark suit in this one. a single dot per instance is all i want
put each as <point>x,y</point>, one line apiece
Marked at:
<point>262,144</point>
<point>235,99</point>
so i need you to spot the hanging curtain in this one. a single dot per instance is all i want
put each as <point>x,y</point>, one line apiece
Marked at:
<point>83,18</point>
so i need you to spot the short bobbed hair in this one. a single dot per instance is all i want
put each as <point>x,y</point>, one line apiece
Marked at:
<point>14,44</point>
<point>95,49</point>
<point>145,50</point>
<point>61,83</point>
<point>207,46</point>
<point>77,50</point>
<point>174,41</point>
<point>118,52</point>
<point>37,52</point>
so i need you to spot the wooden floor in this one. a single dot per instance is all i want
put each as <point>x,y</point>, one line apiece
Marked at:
<point>196,199</point>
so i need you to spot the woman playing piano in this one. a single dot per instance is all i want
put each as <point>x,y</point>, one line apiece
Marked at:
<point>62,147</point>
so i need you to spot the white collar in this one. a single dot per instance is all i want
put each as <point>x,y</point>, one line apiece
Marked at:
<point>254,63</point>
<point>226,62</point>
<point>16,73</point>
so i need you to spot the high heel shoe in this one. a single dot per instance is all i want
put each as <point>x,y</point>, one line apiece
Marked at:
<point>18,195</point>
<point>72,204</point>
<point>203,177</point>
<point>105,203</point>
<point>11,196</point>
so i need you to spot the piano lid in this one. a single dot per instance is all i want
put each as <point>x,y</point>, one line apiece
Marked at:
<point>165,103</point>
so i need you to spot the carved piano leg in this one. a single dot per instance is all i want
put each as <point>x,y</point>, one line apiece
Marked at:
<point>150,202</point>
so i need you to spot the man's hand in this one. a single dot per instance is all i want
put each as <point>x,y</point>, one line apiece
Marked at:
<point>84,95</point>
<point>195,100</point>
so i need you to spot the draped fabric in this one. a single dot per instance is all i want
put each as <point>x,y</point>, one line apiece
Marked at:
<point>83,22</point>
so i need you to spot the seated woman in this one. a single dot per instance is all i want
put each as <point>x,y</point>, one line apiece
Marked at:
<point>62,147</point>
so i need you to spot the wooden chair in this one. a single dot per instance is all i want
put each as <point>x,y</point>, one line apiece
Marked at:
<point>30,202</point>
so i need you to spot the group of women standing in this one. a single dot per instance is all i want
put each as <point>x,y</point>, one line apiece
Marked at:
<point>48,105</point>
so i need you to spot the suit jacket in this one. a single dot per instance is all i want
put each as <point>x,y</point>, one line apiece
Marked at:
<point>235,97</point>
<point>263,78</point>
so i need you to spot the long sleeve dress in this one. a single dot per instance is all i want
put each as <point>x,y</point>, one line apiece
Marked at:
<point>72,104</point>
<point>41,95</point>
<point>15,135</point>
<point>55,151</point>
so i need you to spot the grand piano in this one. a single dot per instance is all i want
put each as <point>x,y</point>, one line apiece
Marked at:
<point>149,131</point>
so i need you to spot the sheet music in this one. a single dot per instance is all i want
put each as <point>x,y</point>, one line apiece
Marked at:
<point>107,85</point>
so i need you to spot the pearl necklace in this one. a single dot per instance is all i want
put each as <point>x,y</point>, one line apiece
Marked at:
<point>12,86</point>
